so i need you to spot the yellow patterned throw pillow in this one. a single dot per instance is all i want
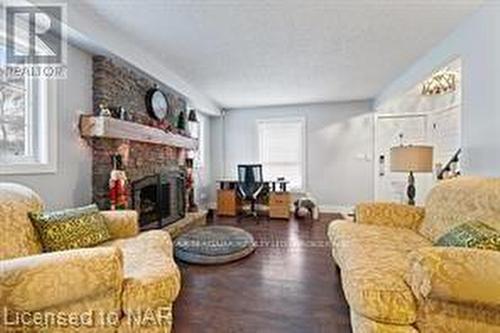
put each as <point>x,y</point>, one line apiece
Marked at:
<point>472,234</point>
<point>70,228</point>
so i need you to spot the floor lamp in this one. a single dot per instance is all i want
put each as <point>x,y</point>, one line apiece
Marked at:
<point>411,159</point>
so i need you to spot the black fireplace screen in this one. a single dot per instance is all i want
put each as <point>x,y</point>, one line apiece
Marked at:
<point>159,199</point>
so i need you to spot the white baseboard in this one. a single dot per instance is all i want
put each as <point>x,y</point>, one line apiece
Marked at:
<point>322,208</point>
<point>335,209</point>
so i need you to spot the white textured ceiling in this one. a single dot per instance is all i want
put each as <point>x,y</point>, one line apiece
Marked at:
<point>253,53</point>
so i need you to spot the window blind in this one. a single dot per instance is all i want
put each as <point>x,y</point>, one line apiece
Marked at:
<point>281,150</point>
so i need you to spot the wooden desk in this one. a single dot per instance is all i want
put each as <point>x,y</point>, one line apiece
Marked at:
<point>227,202</point>
<point>279,205</point>
<point>272,185</point>
<point>279,199</point>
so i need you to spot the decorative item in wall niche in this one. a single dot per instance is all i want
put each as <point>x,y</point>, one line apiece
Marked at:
<point>440,83</point>
<point>156,104</point>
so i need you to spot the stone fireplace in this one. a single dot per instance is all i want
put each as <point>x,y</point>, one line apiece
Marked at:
<point>155,171</point>
<point>153,152</point>
<point>159,199</point>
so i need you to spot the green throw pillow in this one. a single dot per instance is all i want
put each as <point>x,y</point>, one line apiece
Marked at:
<point>70,228</point>
<point>472,234</point>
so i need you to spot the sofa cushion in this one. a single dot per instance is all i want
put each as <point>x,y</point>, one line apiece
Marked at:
<point>346,236</point>
<point>442,316</point>
<point>361,324</point>
<point>18,237</point>
<point>70,228</point>
<point>452,201</point>
<point>474,234</point>
<point>151,277</point>
<point>373,260</point>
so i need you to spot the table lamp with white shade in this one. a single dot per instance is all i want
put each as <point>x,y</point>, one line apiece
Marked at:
<point>412,159</point>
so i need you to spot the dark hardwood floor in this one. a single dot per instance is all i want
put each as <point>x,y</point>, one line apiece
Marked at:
<point>290,284</point>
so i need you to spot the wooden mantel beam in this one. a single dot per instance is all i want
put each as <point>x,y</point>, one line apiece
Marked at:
<point>111,128</point>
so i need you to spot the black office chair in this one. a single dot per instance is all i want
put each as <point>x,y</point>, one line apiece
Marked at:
<point>250,185</point>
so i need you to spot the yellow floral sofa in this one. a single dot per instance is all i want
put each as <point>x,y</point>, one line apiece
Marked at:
<point>127,284</point>
<point>396,281</point>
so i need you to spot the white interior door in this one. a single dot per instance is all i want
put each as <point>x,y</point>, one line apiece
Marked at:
<point>391,186</point>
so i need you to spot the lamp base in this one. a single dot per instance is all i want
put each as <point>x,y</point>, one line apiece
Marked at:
<point>411,191</point>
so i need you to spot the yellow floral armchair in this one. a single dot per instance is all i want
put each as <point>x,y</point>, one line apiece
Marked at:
<point>127,284</point>
<point>395,280</point>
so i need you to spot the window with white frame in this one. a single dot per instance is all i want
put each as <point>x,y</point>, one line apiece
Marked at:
<point>282,150</point>
<point>27,124</point>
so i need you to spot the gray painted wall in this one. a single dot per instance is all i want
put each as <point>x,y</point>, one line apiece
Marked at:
<point>71,184</point>
<point>203,175</point>
<point>339,147</point>
<point>477,42</point>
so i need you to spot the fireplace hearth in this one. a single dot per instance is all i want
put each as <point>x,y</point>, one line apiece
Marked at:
<point>159,199</point>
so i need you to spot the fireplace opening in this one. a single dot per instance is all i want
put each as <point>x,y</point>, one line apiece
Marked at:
<point>159,199</point>
<point>165,195</point>
<point>148,200</point>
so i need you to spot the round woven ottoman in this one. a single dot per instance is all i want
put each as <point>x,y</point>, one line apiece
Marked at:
<point>213,245</point>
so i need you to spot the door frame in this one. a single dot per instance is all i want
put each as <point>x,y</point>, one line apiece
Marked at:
<point>378,116</point>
